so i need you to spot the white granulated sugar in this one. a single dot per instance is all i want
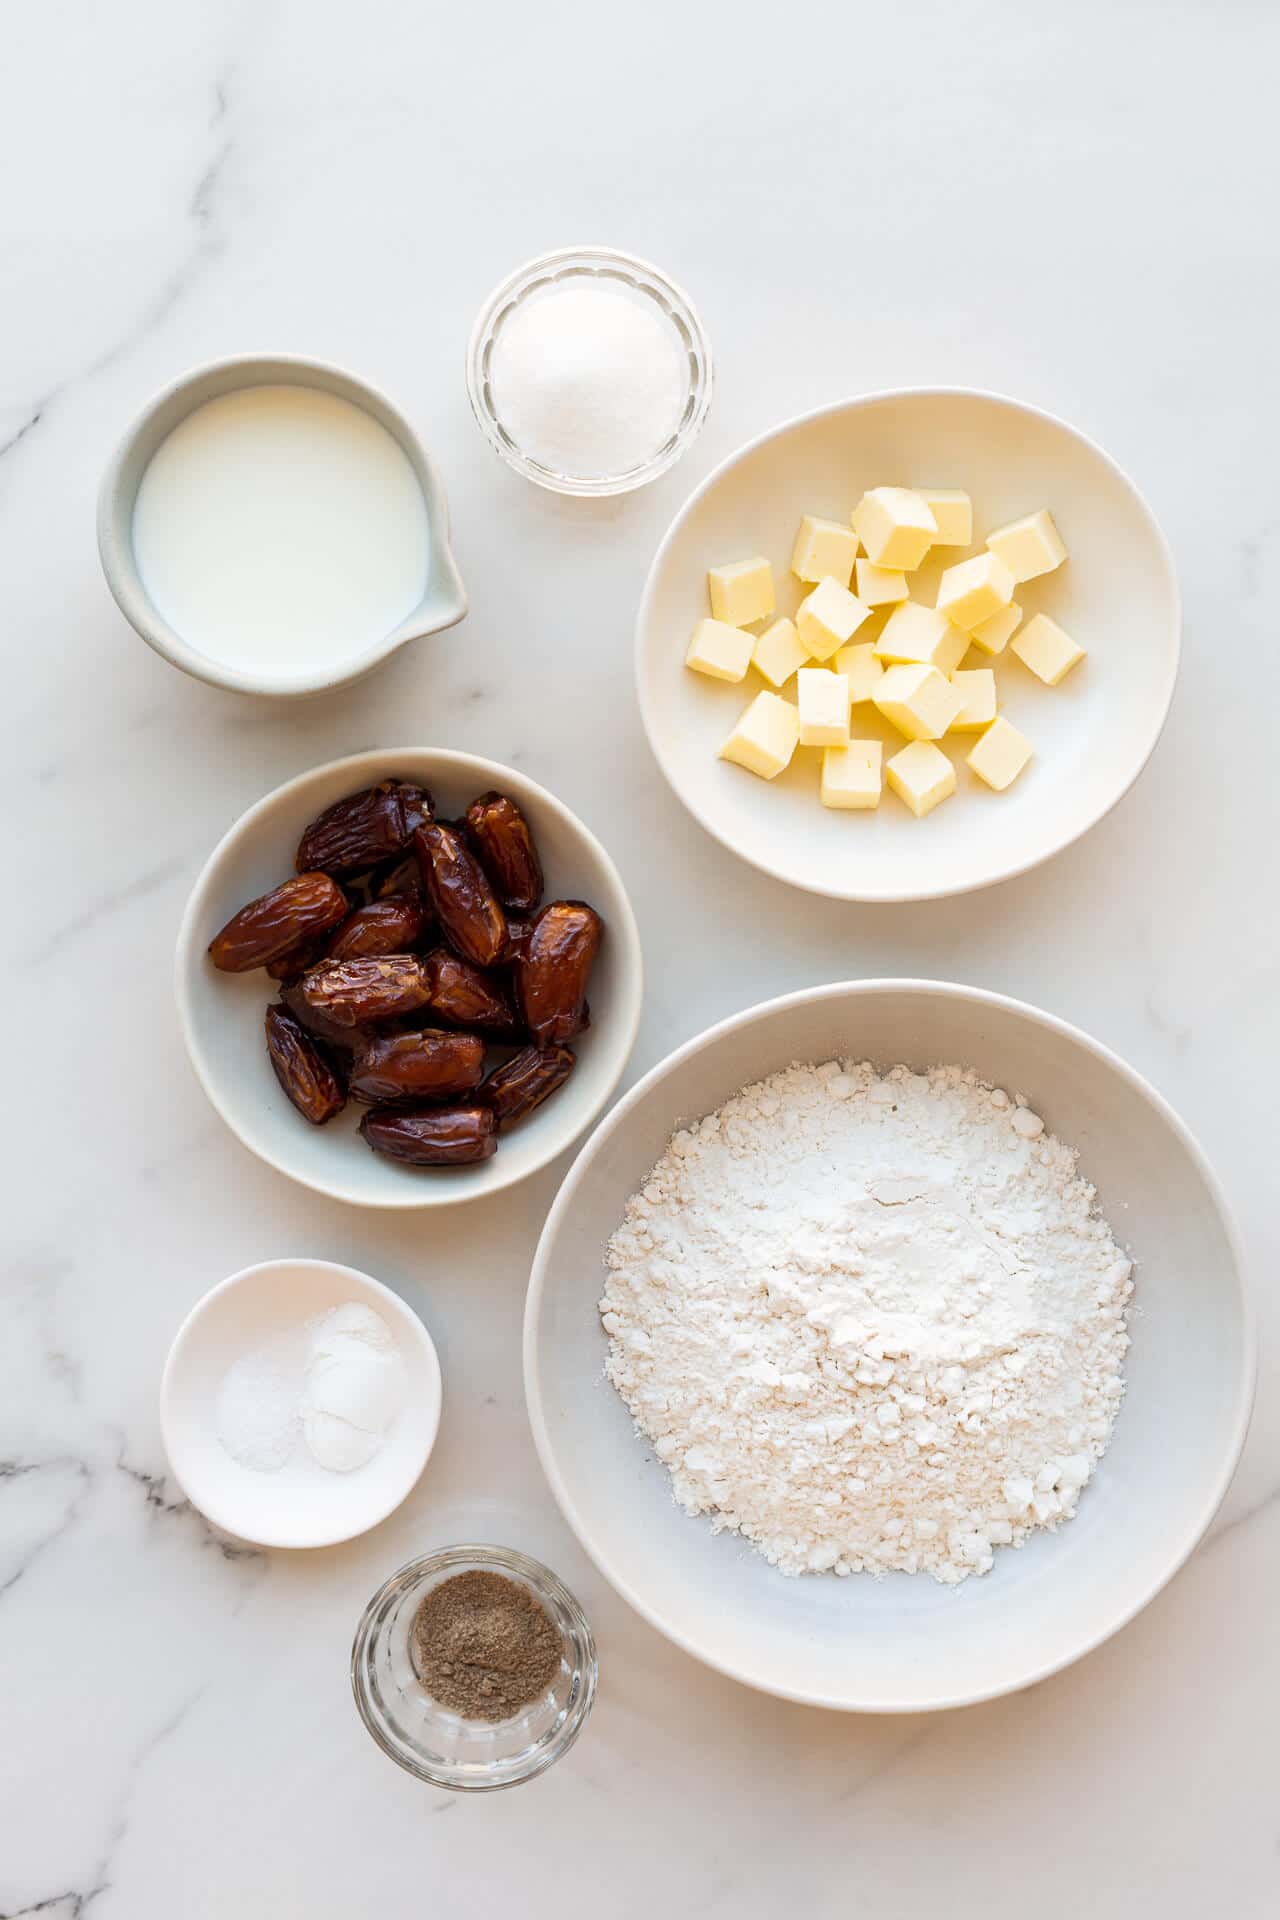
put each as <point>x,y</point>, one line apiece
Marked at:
<point>870,1323</point>
<point>588,378</point>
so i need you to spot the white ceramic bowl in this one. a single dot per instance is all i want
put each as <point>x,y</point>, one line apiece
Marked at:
<point>300,1505</point>
<point>1117,594</point>
<point>905,1644</point>
<point>222,1014</point>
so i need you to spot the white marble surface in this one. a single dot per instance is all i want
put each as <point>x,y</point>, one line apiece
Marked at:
<point>1064,203</point>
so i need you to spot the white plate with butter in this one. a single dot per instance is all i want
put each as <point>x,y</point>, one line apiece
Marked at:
<point>1116,595</point>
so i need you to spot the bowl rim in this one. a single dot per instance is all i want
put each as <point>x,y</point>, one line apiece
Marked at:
<point>381,762</point>
<point>1197,1526</point>
<point>401,1312</point>
<point>203,383</point>
<point>901,895</point>
<point>510,291</point>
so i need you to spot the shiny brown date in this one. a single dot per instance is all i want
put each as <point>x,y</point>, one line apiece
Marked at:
<point>364,829</point>
<point>500,835</point>
<point>460,894</point>
<point>384,926</point>
<point>552,973</point>
<point>359,992</point>
<point>344,1039</point>
<point>519,927</point>
<point>405,877</point>
<point>270,926</point>
<point>299,960</point>
<point>467,996</point>
<point>301,1068</point>
<point>525,1080</point>
<point>428,1065</point>
<point>432,1136</point>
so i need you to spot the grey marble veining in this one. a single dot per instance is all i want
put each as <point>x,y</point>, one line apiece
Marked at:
<point>1062,204</point>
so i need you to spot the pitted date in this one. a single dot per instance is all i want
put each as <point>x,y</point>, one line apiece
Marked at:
<point>552,973</point>
<point>460,895</point>
<point>500,835</point>
<point>299,960</point>
<point>338,1040</point>
<point>432,1136</point>
<point>360,992</point>
<point>384,926</point>
<point>272,925</point>
<point>467,996</point>
<point>365,829</point>
<point>519,927</point>
<point>302,1070</point>
<point>428,1065</point>
<point>525,1080</point>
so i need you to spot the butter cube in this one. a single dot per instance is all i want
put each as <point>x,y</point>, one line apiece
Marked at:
<point>722,652</point>
<point>880,586</point>
<point>923,637</point>
<point>829,617</point>
<point>741,593</point>
<point>918,701</point>
<point>953,512</point>
<point>921,775</point>
<point>863,670</point>
<point>895,527</point>
<point>1029,547</point>
<point>778,652</point>
<point>851,775</point>
<point>973,590</point>
<point>994,635</point>
<point>823,700</point>
<point>765,738</point>
<point>824,549</point>
<point>1000,755</point>
<point>1046,649</point>
<point>978,689</point>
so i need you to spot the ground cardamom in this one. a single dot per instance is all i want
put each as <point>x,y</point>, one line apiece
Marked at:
<point>483,1646</point>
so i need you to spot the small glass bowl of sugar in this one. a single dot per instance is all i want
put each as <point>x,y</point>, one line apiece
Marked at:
<point>589,371</point>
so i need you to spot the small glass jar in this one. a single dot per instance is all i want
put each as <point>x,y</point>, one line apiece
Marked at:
<point>563,269</point>
<point>426,1739</point>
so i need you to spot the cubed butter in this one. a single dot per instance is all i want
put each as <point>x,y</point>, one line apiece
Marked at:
<point>778,652</point>
<point>824,548</point>
<point>864,670</point>
<point>994,635</point>
<point>973,590</point>
<point>880,586</point>
<point>1029,547</point>
<point>765,738</point>
<point>828,618</point>
<point>722,652</point>
<point>1000,755</point>
<point>922,636</point>
<point>823,700</point>
<point>918,701</point>
<point>895,527</point>
<point>1046,649</point>
<point>978,689</point>
<point>953,512</point>
<point>921,775</point>
<point>742,593</point>
<point>851,775</point>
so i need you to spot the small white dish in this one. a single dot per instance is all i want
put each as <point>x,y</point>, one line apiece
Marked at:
<point>1117,595</point>
<point>222,1014</point>
<point>299,1505</point>
<point>904,1644</point>
<point>444,601</point>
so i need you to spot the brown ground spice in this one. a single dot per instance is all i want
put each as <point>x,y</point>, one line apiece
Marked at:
<point>483,1646</point>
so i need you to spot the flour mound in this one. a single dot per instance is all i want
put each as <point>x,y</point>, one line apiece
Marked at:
<point>870,1323</point>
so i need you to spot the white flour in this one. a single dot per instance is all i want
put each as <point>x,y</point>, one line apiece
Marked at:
<point>871,1324</point>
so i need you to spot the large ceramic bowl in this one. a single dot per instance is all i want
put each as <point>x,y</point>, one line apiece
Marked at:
<point>905,1644</point>
<point>1117,595</point>
<point>222,1013</point>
